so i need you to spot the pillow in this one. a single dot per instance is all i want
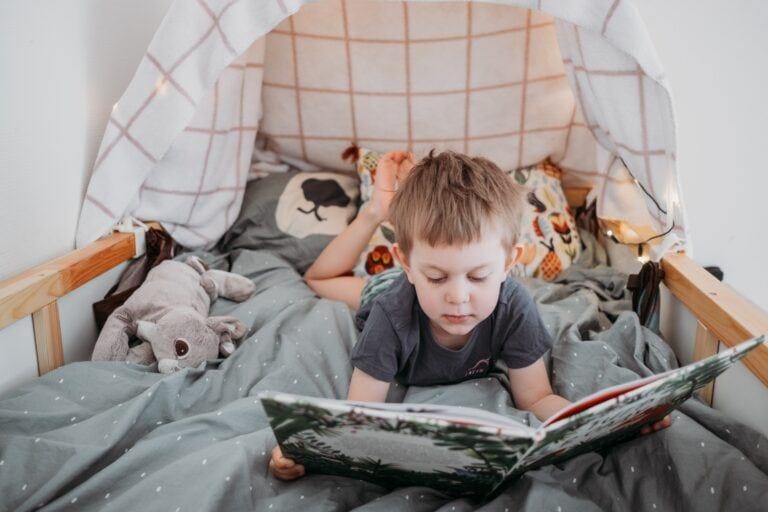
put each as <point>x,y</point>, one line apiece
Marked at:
<point>548,234</point>
<point>378,255</point>
<point>265,160</point>
<point>294,214</point>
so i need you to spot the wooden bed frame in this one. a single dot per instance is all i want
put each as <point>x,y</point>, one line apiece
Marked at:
<point>722,314</point>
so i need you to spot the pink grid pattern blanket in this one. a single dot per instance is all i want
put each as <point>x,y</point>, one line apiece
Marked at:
<point>514,81</point>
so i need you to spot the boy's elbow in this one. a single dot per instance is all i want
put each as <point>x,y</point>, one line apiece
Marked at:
<point>532,400</point>
<point>527,404</point>
<point>310,273</point>
<point>311,283</point>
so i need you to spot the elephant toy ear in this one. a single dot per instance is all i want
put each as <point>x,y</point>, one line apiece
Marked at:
<point>148,331</point>
<point>196,263</point>
<point>228,328</point>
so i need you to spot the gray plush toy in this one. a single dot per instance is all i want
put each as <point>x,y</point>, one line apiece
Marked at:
<point>169,313</point>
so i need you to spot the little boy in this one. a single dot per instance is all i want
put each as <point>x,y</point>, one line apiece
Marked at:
<point>454,311</point>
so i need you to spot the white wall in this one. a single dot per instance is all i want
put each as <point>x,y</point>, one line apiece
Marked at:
<point>62,66</point>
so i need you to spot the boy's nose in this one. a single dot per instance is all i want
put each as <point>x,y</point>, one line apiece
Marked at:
<point>457,294</point>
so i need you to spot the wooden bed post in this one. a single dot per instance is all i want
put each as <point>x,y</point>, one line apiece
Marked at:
<point>35,291</point>
<point>50,353</point>
<point>706,345</point>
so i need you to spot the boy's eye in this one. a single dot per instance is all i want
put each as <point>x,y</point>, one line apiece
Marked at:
<point>435,280</point>
<point>477,279</point>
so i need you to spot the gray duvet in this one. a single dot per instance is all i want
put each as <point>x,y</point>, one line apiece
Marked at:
<point>115,436</point>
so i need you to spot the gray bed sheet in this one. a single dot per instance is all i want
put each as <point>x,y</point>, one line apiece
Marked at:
<point>116,436</point>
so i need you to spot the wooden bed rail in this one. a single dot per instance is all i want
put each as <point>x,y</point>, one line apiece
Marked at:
<point>722,313</point>
<point>35,291</point>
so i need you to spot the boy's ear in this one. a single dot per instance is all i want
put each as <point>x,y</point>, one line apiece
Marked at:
<point>398,254</point>
<point>402,260</point>
<point>512,258</point>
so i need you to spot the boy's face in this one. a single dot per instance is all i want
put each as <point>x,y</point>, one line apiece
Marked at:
<point>457,286</point>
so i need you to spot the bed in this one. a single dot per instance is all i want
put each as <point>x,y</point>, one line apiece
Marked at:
<point>95,435</point>
<point>88,435</point>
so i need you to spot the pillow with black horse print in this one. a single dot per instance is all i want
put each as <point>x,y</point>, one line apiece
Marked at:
<point>294,214</point>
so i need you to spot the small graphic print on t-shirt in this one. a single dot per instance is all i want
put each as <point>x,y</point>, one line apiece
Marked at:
<point>479,368</point>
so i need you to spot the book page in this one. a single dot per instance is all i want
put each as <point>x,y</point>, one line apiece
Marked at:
<point>394,447</point>
<point>456,414</point>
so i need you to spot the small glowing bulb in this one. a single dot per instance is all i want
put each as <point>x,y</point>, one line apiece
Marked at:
<point>161,86</point>
<point>609,233</point>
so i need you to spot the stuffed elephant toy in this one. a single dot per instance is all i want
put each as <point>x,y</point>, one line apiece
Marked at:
<point>168,313</point>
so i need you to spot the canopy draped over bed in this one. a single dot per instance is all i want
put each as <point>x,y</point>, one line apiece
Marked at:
<point>513,80</point>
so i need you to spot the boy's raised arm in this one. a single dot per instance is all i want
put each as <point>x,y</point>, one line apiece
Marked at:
<point>328,275</point>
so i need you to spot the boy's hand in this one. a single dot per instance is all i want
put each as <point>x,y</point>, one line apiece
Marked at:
<point>659,425</point>
<point>393,167</point>
<point>283,467</point>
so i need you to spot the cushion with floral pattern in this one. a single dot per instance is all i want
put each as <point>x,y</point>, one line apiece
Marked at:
<point>548,235</point>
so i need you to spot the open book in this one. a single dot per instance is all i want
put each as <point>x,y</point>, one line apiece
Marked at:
<point>470,452</point>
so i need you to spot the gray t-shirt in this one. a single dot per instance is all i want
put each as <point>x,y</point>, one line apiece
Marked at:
<point>397,344</point>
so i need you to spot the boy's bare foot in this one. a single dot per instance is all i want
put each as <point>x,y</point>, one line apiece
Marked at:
<point>406,164</point>
<point>391,166</point>
<point>283,467</point>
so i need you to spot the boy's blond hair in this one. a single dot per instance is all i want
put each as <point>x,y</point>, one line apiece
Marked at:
<point>449,198</point>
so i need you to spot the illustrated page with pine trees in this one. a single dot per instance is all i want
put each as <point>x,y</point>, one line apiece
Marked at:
<point>445,448</point>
